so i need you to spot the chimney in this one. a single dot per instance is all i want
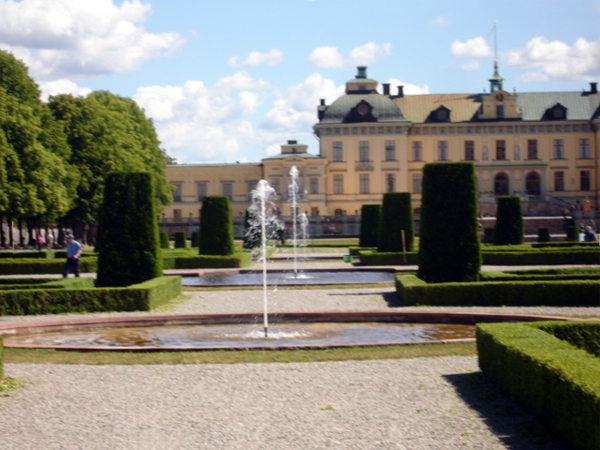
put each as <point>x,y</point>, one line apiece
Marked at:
<point>593,88</point>
<point>400,91</point>
<point>386,88</point>
<point>322,102</point>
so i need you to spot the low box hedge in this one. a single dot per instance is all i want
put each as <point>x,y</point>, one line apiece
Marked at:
<point>564,244</point>
<point>512,257</point>
<point>580,273</point>
<point>138,297</point>
<point>414,291</point>
<point>240,259</point>
<point>28,255</point>
<point>39,266</point>
<point>354,251</point>
<point>548,375</point>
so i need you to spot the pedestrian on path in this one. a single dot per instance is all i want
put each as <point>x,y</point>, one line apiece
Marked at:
<point>74,250</point>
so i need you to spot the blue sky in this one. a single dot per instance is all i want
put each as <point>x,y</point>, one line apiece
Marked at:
<point>232,80</point>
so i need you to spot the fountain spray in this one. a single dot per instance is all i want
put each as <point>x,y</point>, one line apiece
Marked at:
<point>293,192</point>
<point>260,198</point>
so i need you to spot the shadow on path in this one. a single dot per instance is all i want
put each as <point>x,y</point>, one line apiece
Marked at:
<point>515,427</point>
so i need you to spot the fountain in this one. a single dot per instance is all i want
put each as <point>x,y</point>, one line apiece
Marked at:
<point>293,194</point>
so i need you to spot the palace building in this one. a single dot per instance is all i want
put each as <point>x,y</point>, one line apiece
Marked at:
<point>541,146</point>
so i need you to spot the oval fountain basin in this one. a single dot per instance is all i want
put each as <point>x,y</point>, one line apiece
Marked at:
<point>250,335</point>
<point>307,277</point>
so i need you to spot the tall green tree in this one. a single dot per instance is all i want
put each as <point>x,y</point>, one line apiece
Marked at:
<point>36,182</point>
<point>108,133</point>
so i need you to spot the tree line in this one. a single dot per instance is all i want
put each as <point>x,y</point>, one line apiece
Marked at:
<point>55,155</point>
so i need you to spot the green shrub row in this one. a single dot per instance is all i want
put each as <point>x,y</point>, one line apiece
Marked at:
<point>510,258</point>
<point>138,297</point>
<point>414,291</point>
<point>37,266</point>
<point>506,276</point>
<point>7,282</point>
<point>240,259</point>
<point>354,251</point>
<point>557,381</point>
<point>583,335</point>
<point>564,244</point>
<point>49,254</point>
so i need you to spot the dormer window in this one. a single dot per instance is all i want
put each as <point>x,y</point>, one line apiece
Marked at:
<point>442,114</point>
<point>557,112</point>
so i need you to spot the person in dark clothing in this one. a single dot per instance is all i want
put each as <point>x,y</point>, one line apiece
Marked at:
<point>74,250</point>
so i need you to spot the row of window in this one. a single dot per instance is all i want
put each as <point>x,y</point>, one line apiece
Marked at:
<point>501,152</point>
<point>469,150</point>
<point>363,151</point>
<point>501,184</point>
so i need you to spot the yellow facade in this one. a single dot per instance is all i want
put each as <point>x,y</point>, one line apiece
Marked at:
<point>543,147</point>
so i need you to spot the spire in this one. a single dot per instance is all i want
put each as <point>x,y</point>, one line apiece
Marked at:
<point>496,80</point>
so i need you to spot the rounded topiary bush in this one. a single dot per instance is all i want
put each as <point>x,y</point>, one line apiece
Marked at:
<point>216,226</point>
<point>509,222</point>
<point>449,247</point>
<point>180,239</point>
<point>543,234</point>
<point>164,240</point>
<point>369,225</point>
<point>396,216</point>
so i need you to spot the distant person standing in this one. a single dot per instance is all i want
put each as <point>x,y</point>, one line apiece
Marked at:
<point>50,240</point>
<point>40,242</point>
<point>589,235</point>
<point>74,250</point>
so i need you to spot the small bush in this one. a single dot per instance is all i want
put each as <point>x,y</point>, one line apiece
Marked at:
<point>509,222</point>
<point>195,238</point>
<point>370,220</point>
<point>216,227</point>
<point>449,248</point>
<point>164,240</point>
<point>180,239</point>
<point>573,234</point>
<point>396,217</point>
<point>543,234</point>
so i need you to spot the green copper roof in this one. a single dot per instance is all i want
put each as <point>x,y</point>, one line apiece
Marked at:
<point>384,109</point>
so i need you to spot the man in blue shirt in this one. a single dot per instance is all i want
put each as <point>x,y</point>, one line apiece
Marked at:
<point>73,253</point>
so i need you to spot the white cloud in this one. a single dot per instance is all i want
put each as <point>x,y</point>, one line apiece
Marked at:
<point>77,39</point>
<point>408,88</point>
<point>326,58</point>
<point>330,57</point>
<point>546,60</point>
<point>271,58</point>
<point>441,20</point>
<point>296,110</point>
<point>472,48</point>
<point>56,87</point>
<point>471,65</point>
<point>200,123</point>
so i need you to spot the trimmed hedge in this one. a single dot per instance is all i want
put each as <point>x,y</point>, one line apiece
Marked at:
<point>543,234</point>
<point>509,222</point>
<point>206,261</point>
<point>508,258</point>
<point>195,238</point>
<point>164,240</point>
<point>127,239</point>
<point>1,359</point>
<point>414,291</point>
<point>216,227</point>
<point>573,234</point>
<point>139,297</point>
<point>354,251</point>
<point>370,220</point>
<point>593,245</point>
<point>49,254</point>
<point>180,239</point>
<point>583,335</point>
<point>396,215</point>
<point>449,248</point>
<point>41,266</point>
<point>557,381</point>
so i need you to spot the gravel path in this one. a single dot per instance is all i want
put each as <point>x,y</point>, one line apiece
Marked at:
<point>424,403</point>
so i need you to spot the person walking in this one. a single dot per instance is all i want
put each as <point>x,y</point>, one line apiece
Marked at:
<point>589,236</point>
<point>74,250</point>
<point>40,242</point>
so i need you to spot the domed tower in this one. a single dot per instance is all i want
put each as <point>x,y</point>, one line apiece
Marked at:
<point>363,136</point>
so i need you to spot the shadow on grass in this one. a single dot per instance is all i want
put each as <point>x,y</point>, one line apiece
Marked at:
<point>515,427</point>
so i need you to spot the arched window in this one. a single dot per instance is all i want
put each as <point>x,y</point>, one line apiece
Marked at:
<point>338,212</point>
<point>501,184</point>
<point>532,183</point>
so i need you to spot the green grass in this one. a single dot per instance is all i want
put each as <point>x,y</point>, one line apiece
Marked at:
<point>7,385</point>
<point>237,357</point>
